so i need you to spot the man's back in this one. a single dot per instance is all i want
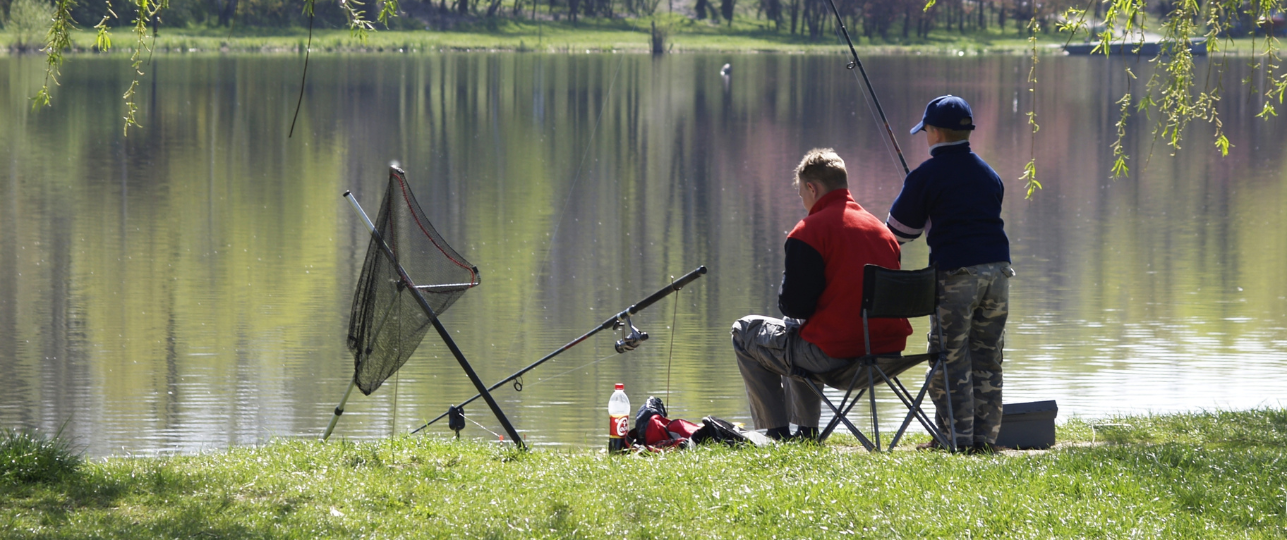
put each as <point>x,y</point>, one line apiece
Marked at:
<point>846,238</point>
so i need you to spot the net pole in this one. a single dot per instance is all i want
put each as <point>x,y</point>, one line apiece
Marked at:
<point>437,325</point>
<point>339,409</point>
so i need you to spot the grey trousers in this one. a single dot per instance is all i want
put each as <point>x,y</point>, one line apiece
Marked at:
<point>766,348</point>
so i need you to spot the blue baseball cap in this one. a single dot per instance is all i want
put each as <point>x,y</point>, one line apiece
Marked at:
<point>947,112</point>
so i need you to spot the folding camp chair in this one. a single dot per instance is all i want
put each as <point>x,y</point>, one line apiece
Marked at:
<point>888,294</point>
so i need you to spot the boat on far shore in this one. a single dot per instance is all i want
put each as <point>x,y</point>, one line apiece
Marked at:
<point>1197,47</point>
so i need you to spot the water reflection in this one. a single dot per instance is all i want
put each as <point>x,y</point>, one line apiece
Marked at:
<point>187,287</point>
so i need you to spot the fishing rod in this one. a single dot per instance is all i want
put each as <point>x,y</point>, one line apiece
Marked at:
<point>626,343</point>
<point>840,21</point>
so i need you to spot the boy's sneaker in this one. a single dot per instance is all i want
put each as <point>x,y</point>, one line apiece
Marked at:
<point>930,446</point>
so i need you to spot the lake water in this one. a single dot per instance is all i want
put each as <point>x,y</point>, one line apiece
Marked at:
<point>187,287</point>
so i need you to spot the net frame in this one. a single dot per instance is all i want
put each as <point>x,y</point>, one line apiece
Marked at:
<point>386,321</point>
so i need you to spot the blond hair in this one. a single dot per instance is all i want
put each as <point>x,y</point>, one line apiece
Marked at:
<point>823,167</point>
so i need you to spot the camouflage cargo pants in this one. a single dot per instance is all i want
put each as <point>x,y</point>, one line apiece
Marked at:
<point>973,303</point>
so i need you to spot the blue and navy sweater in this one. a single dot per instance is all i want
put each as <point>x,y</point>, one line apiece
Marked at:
<point>956,197</point>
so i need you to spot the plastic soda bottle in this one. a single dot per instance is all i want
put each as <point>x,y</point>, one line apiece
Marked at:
<point>619,419</point>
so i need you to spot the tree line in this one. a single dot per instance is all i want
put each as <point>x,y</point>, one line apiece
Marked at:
<point>872,19</point>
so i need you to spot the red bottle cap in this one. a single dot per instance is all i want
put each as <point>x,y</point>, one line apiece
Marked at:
<point>620,386</point>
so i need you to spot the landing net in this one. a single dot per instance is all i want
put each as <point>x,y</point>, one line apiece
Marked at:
<point>387,323</point>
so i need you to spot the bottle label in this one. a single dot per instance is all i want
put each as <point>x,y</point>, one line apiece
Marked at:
<point>618,426</point>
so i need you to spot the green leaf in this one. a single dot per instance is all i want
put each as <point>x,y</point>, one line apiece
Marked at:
<point>1119,167</point>
<point>104,38</point>
<point>1222,143</point>
<point>1033,186</point>
<point>1030,177</point>
<point>41,99</point>
<point>390,9</point>
<point>1267,111</point>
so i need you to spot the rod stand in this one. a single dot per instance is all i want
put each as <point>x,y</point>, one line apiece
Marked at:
<point>339,410</point>
<point>456,419</point>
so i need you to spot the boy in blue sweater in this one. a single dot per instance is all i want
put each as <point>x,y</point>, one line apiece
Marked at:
<point>955,199</point>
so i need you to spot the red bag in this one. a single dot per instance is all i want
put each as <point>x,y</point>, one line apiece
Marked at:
<point>661,430</point>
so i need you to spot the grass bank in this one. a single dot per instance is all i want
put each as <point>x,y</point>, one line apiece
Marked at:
<point>1179,476</point>
<point>589,35</point>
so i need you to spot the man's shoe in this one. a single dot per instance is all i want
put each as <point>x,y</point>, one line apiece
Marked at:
<point>988,448</point>
<point>806,434</point>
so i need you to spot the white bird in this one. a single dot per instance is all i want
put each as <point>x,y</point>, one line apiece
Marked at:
<point>726,70</point>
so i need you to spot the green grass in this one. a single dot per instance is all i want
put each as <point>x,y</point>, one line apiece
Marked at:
<point>1182,476</point>
<point>29,457</point>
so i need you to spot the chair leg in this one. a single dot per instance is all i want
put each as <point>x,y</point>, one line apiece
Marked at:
<point>822,436</point>
<point>871,394</point>
<point>844,410</point>
<point>852,428</point>
<point>914,410</point>
<point>921,417</point>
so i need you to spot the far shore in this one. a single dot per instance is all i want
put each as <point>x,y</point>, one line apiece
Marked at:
<point>613,36</point>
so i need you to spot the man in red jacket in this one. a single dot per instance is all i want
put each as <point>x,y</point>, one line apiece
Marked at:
<point>821,296</point>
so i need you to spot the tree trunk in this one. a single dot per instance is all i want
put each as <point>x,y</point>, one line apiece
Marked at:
<point>229,11</point>
<point>773,11</point>
<point>795,14</point>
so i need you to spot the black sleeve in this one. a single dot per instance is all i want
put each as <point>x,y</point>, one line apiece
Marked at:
<point>803,280</point>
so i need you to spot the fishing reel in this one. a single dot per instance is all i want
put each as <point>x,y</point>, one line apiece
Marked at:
<point>631,339</point>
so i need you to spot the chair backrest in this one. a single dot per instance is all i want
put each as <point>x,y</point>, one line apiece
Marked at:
<point>899,293</point>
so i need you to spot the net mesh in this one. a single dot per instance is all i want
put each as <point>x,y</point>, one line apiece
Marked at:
<point>387,322</point>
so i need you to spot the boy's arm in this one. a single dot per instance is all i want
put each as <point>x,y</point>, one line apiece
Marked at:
<point>908,215</point>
